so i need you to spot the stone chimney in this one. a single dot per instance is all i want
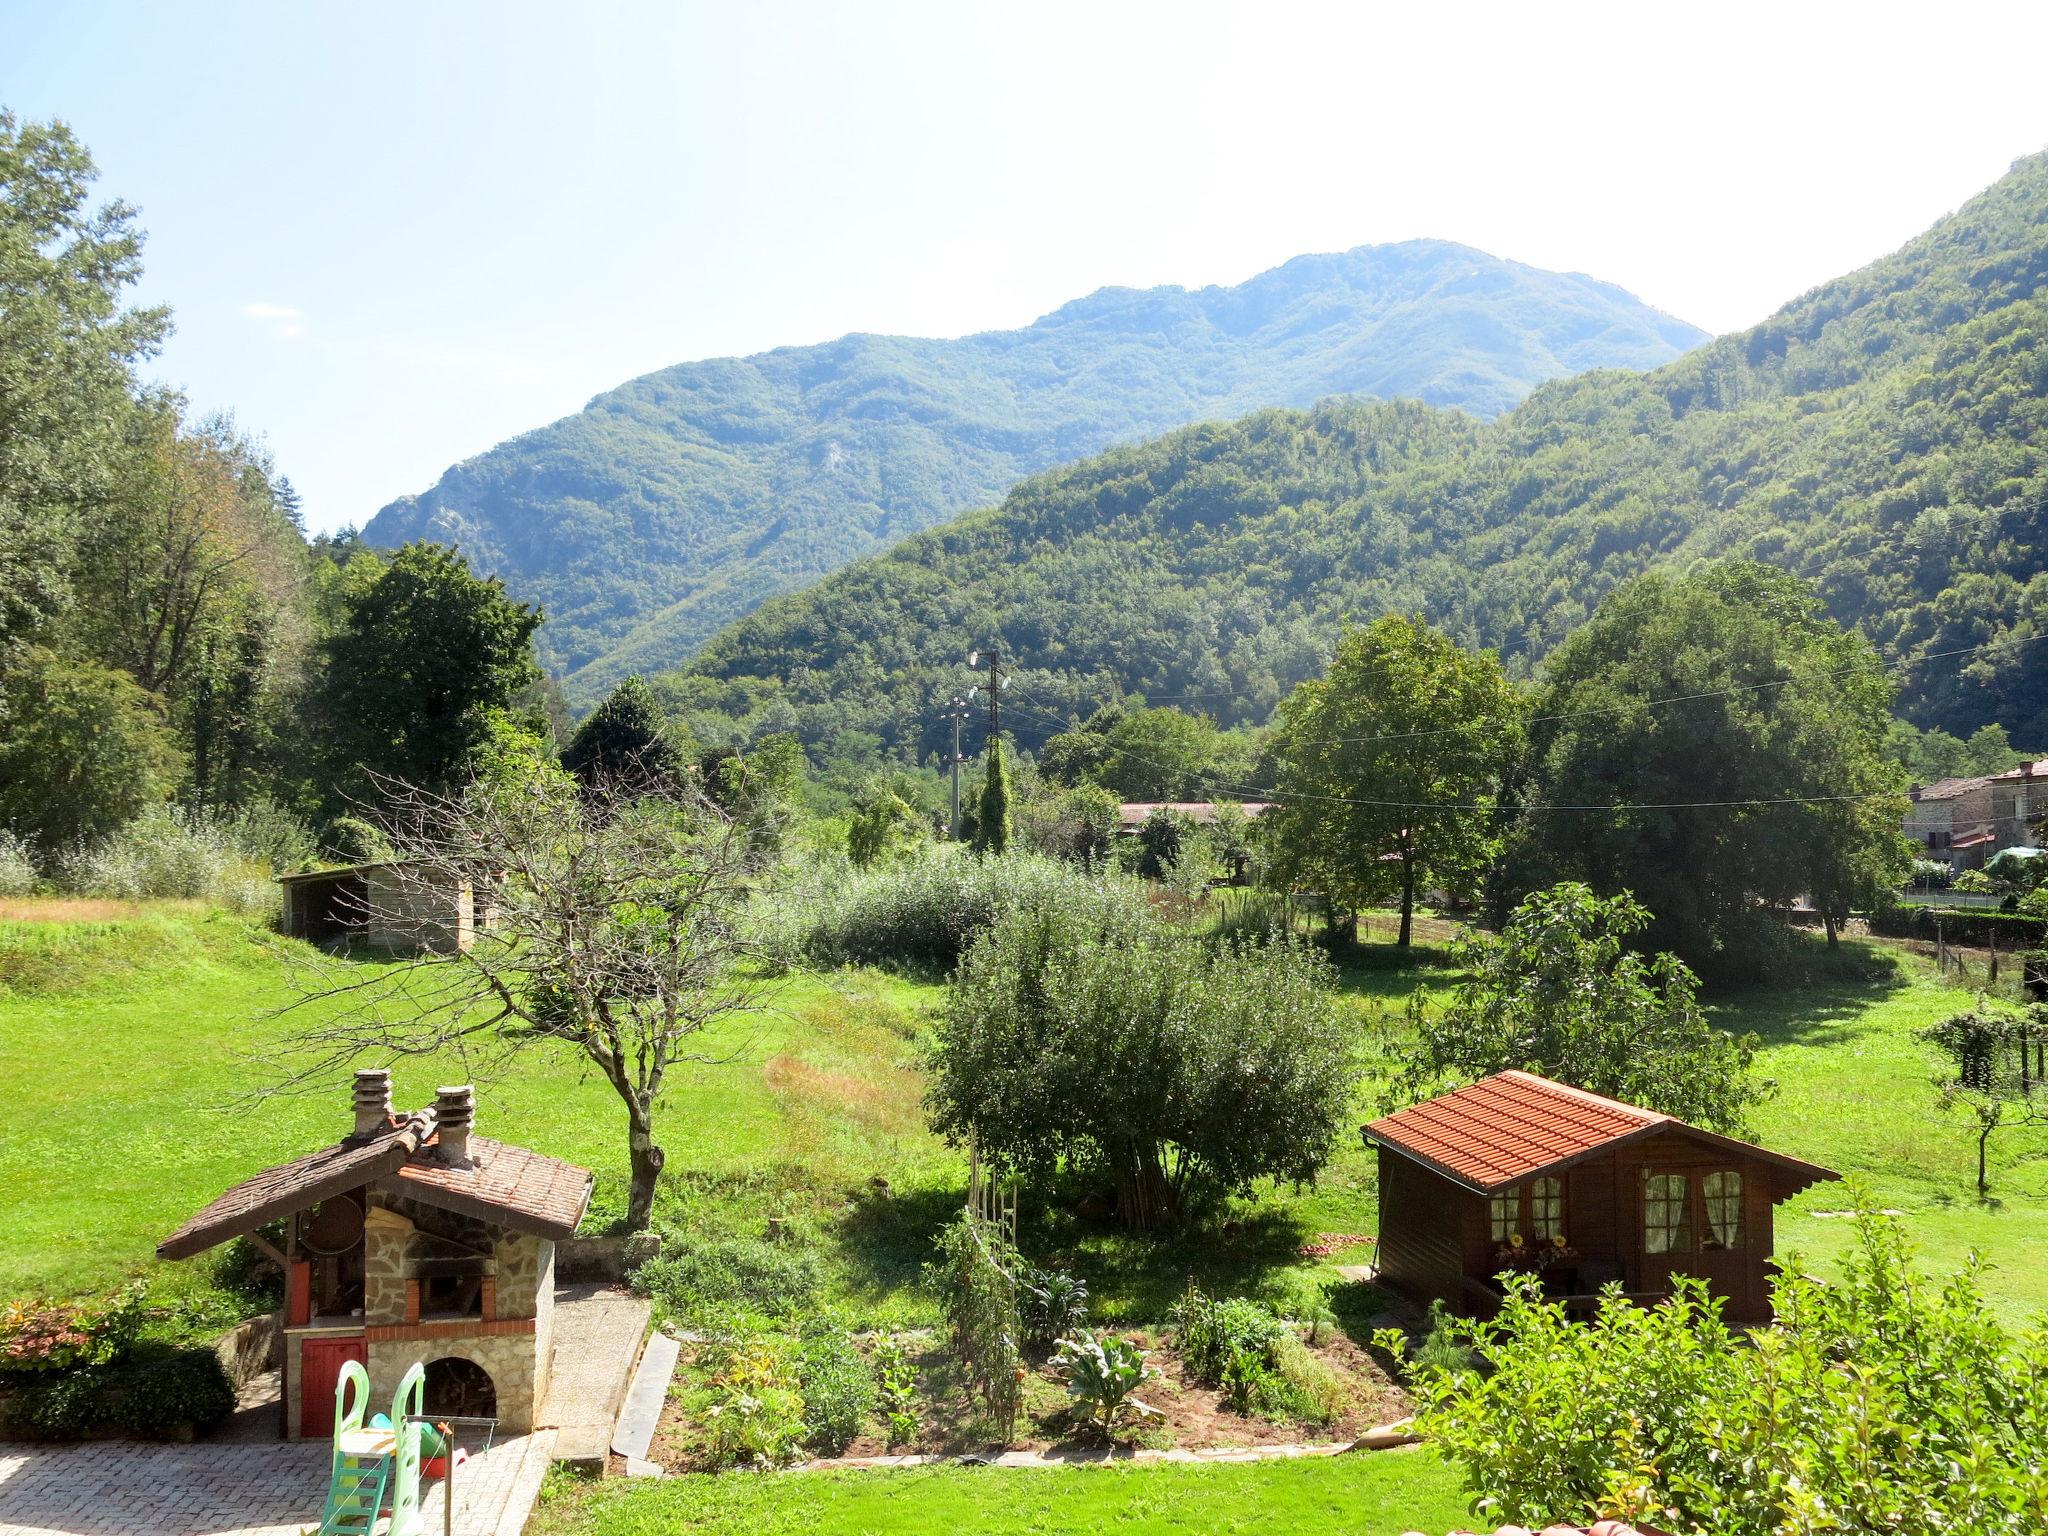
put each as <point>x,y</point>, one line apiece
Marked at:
<point>373,1101</point>
<point>455,1108</point>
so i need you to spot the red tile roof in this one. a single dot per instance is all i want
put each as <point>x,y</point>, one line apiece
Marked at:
<point>1132,813</point>
<point>1513,1125</point>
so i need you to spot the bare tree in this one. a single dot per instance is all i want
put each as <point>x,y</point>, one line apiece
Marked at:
<point>610,923</point>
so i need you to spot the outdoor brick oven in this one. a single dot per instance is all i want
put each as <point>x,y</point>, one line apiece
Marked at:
<point>409,1239</point>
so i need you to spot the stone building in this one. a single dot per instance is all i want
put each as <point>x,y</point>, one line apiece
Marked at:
<point>396,905</point>
<point>409,1239</point>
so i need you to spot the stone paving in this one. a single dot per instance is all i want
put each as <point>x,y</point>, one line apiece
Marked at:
<point>121,1488</point>
<point>598,1329</point>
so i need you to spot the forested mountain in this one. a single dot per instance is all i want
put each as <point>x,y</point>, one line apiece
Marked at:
<point>679,501</point>
<point>1885,436</point>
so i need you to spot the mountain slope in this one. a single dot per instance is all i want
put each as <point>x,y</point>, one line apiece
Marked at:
<point>681,500</point>
<point>1885,435</point>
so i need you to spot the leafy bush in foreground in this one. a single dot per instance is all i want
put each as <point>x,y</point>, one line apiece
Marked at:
<point>772,1279</point>
<point>838,1388</point>
<point>1233,1345</point>
<point>1881,1402</point>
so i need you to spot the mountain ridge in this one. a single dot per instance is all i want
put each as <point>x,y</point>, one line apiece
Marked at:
<point>679,500</point>
<point>1884,434</point>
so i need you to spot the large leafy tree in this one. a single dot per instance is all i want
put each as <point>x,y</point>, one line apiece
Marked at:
<point>1714,744</point>
<point>1389,768</point>
<point>66,350</point>
<point>1557,992</point>
<point>87,752</point>
<point>1085,1033</point>
<point>424,652</point>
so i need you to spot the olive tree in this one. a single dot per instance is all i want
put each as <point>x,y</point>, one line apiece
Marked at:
<point>1091,1036</point>
<point>1558,992</point>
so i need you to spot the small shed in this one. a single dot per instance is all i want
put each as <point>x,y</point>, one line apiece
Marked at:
<point>409,1239</point>
<point>397,904</point>
<point>1516,1172</point>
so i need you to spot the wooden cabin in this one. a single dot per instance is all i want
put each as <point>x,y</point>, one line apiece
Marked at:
<point>1519,1173</point>
<point>398,905</point>
<point>409,1239</point>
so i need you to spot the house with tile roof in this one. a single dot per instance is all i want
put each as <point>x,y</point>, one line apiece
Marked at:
<point>1517,1172</point>
<point>409,1239</point>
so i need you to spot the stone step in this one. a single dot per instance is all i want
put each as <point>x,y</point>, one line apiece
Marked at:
<point>641,1410</point>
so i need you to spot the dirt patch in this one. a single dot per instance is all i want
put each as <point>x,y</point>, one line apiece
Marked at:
<point>1191,1416</point>
<point>66,909</point>
<point>869,1102</point>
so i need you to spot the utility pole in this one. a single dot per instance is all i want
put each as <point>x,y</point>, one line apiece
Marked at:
<point>956,713</point>
<point>995,685</point>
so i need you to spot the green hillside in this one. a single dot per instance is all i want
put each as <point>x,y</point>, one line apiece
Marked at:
<point>1883,435</point>
<point>681,500</point>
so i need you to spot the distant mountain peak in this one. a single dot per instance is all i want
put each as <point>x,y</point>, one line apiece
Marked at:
<point>680,500</point>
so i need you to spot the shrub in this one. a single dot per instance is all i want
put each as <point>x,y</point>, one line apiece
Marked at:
<point>17,865</point>
<point>923,912</point>
<point>353,840</point>
<point>753,1408</point>
<point>1881,1401</point>
<point>174,852</point>
<point>896,1391</point>
<point>1960,925</point>
<point>1231,1345</point>
<point>773,1279</point>
<point>1112,1043</point>
<point>1052,1304</point>
<point>40,1336</point>
<point>152,1398</point>
<point>64,1406</point>
<point>1442,1350</point>
<point>838,1388</point>
<point>1102,1372</point>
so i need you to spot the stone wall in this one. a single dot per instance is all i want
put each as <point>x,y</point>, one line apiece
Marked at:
<point>509,1357</point>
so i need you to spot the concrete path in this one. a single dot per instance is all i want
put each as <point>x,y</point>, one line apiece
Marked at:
<point>598,1329</point>
<point>122,1488</point>
<point>640,1414</point>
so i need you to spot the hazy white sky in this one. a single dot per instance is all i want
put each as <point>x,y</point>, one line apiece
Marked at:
<point>396,234</point>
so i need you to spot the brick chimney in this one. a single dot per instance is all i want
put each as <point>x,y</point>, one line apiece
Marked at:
<point>373,1101</point>
<point>454,1109</point>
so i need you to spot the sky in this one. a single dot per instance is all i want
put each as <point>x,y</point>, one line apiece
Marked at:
<point>393,235</point>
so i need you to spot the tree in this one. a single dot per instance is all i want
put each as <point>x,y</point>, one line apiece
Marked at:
<point>1716,745</point>
<point>1390,765</point>
<point>882,826</point>
<point>1556,992</point>
<point>992,810</point>
<point>1995,1058</point>
<point>618,937</point>
<point>1089,1035</point>
<point>1163,836</point>
<point>1078,824</point>
<point>626,738</point>
<point>88,752</point>
<point>67,349</point>
<point>423,651</point>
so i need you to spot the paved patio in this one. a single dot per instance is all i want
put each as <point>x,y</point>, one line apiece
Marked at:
<point>121,1488</point>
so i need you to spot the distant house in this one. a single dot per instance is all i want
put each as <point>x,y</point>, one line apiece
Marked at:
<point>1519,1172</point>
<point>409,1239</point>
<point>1964,821</point>
<point>396,905</point>
<point>1132,814</point>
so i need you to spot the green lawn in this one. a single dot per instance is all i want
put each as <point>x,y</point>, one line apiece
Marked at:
<point>126,1046</point>
<point>1366,1494</point>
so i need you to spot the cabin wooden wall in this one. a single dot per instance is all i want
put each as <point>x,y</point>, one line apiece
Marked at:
<point>1427,1226</point>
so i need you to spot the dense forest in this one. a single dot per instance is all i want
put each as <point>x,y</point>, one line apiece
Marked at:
<point>681,500</point>
<point>1880,436</point>
<point>188,685</point>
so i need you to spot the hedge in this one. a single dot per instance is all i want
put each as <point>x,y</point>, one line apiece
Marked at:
<point>2008,930</point>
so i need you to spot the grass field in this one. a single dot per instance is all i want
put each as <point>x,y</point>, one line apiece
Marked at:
<point>127,1044</point>
<point>1368,1494</point>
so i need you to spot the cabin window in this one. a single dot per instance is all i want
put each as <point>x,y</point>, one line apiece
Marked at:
<point>1505,1210</point>
<point>1665,1225</point>
<point>1546,1210</point>
<point>1721,1199</point>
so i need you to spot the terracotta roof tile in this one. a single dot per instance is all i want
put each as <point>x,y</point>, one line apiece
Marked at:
<point>1503,1128</point>
<point>546,1194</point>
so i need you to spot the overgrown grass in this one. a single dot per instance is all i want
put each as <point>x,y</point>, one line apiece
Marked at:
<point>1375,1494</point>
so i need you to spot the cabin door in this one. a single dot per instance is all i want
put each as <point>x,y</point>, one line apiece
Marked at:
<point>320,1362</point>
<point>1692,1224</point>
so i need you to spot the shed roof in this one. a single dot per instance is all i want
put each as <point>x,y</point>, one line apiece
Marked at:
<point>1514,1125</point>
<point>1132,813</point>
<point>2030,770</point>
<point>343,871</point>
<point>1951,789</point>
<point>510,1185</point>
